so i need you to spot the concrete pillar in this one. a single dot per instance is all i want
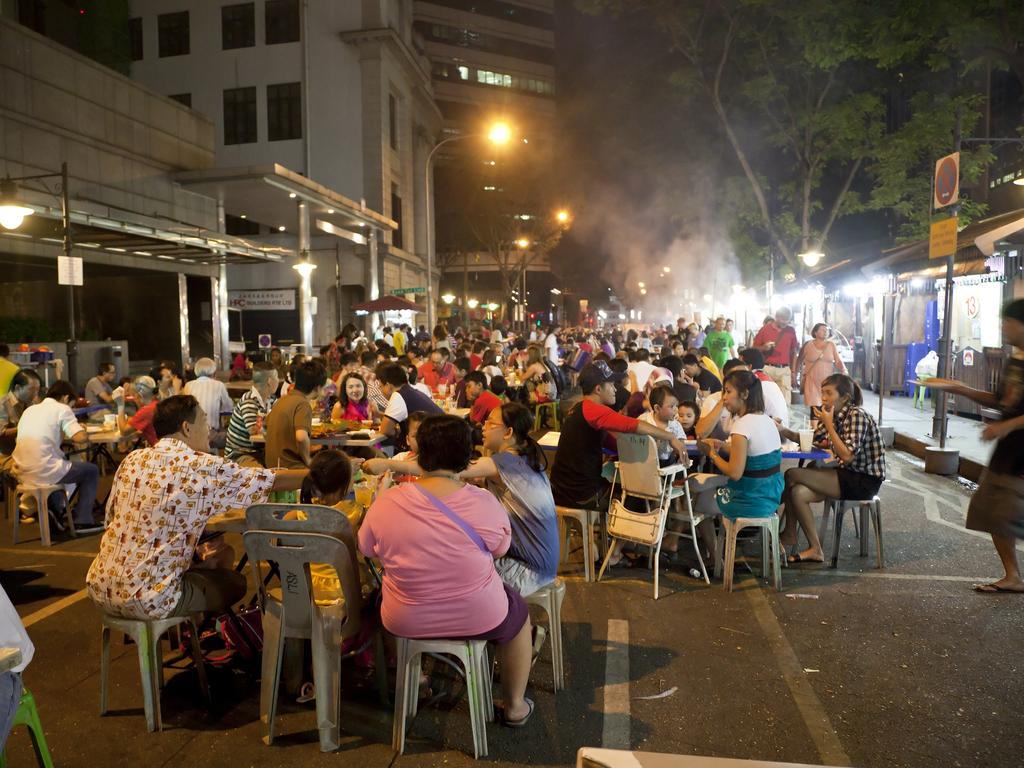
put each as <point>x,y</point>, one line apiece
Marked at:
<point>305,281</point>
<point>373,275</point>
<point>221,334</point>
<point>186,355</point>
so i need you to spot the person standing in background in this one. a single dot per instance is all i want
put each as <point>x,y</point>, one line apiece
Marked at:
<point>777,341</point>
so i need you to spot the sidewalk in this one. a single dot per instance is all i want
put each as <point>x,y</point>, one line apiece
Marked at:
<point>962,434</point>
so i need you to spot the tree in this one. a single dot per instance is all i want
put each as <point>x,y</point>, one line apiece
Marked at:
<point>804,97</point>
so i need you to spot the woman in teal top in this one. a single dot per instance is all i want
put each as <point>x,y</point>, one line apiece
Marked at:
<point>751,456</point>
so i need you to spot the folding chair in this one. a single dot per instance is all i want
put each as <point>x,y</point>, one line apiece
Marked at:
<point>293,611</point>
<point>639,476</point>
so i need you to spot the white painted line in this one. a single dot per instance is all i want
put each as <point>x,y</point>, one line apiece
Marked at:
<point>47,552</point>
<point>55,607</point>
<point>898,576</point>
<point>806,700</point>
<point>615,734</point>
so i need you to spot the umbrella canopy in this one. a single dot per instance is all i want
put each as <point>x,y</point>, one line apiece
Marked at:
<point>387,304</point>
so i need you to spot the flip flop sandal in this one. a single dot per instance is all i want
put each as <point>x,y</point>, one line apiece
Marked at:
<point>798,559</point>
<point>306,693</point>
<point>993,589</point>
<point>521,721</point>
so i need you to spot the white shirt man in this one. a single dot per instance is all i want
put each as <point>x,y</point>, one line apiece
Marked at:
<point>551,347</point>
<point>212,395</point>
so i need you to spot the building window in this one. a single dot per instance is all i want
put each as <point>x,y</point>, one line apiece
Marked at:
<point>238,26</point>
<point>282,21</point>
<point>396,214</point>
<point>499,9</point>
<point>240,115</point>
<point>445,71</point>
<point>172,33</point>
<point>182,98</point>
<point>469,38</point>
<point>284,111</point>
<point>393,121</point>
<point>135,38</point>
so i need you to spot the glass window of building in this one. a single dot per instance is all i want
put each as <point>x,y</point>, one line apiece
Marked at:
<point>284,111</point>
<point>240,115</point>
<point>396,214</point>
<point>172,34</point>
<point>282,21</point>
<point>238,26</point>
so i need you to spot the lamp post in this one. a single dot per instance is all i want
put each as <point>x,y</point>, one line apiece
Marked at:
<point>500,133</point>
<point>13,213</point>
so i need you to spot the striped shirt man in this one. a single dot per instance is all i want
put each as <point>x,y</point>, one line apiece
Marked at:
<point>244,418</point>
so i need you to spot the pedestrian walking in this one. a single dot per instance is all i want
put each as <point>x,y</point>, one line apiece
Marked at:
<point>997,507</point>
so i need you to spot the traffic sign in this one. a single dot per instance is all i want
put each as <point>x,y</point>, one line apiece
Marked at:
<point>403,291</point>
<point>942,241</point>
<point>947,180</point>
<point>264,341</point>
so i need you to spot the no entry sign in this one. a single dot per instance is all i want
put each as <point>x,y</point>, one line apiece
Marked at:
<point>947,180</point>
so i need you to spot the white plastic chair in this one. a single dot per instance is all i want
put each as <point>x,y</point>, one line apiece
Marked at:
<point>639,476</point>
<point>769,547</point>
<point>870,517</point>
<point>147,633</point>
<point>587,520</point>
<point>550,599</point>
<point>292,611</point>
<point>476,667</point>
<point>41,495</point>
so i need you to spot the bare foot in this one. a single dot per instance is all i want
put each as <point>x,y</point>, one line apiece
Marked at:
<point>808,556</point>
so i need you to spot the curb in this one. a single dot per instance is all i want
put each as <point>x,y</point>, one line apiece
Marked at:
<point>969,469</point>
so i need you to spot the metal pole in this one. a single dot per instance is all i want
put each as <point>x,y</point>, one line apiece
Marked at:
<point>306,282</point>
<point>65,205</point>
<point>428,218</point>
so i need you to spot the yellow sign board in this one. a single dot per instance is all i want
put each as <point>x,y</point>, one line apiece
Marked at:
<point>942,241</point>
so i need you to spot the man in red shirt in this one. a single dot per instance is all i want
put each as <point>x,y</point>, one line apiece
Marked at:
<point>778,342</point>
<point>481,400</point>
<point>437,371</point>
<point>142,421</point>
<point>576,479</point>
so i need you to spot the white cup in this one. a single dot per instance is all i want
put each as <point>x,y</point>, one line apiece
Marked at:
<point>442,389</point>
<point>109,420</point>
<point>806,439</point>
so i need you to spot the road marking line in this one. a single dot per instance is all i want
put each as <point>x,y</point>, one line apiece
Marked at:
<point>615,734</point>
<point>807,702</point>
<point>50,552</point>
<point>55,607</point>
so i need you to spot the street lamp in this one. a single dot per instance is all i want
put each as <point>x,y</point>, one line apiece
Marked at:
<point>448,298</point>
<point>666,270</point>
<point>473,303</point>
<point>498,134</point>
<point>12,212</point>
<point>641,285</point>
<point>304,268</point>
<point>811,258</point>
<point>522,242</point>
<point>562,216</point>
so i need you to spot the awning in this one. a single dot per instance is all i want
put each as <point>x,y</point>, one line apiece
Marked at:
<point>388,304</point>
<point>267,194</point>
<point>98,227</point>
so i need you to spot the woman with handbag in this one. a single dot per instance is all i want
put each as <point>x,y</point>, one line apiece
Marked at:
<point>437,540</point>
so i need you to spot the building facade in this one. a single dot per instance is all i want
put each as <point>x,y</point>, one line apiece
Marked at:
<point>336,92</point>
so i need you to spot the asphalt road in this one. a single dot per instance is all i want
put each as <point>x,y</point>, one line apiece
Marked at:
<point>901,667</point>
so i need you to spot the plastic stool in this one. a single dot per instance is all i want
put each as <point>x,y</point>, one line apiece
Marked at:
<point>538,415</point>
<point>147,633</point>
<point>769,547</point>
<point>586,519</point>
<point>41,494</point>
<point>870,517</point>
<point>550,599</point>
<point>476,667</point>
<point>28,715</point>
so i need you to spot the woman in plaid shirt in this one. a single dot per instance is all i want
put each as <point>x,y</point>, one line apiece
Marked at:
<point>850,433</point>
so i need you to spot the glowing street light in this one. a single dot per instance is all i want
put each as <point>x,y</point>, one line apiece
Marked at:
<point>641,285</point>
<point>562,216</point>
<point>522,242</point>
<point>499,133</point>
<point>811,258</point>
<point>666,270</point>
<point>12,212</point>
<point>304,268</point>
<point>473,303</point>
<point>448,298</point>
<point>643,291</point>
<point>492,307</point>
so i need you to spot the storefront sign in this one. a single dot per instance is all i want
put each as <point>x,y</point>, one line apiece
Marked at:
<point>267,299</point>
<point>942,242</point>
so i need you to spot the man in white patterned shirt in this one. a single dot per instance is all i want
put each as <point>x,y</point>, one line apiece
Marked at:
<point>158,507</point>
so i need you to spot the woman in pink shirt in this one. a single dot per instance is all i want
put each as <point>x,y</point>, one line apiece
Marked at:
<point>437,539</point>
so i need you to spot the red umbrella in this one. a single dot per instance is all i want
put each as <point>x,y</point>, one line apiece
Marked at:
<point>387,304</point>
